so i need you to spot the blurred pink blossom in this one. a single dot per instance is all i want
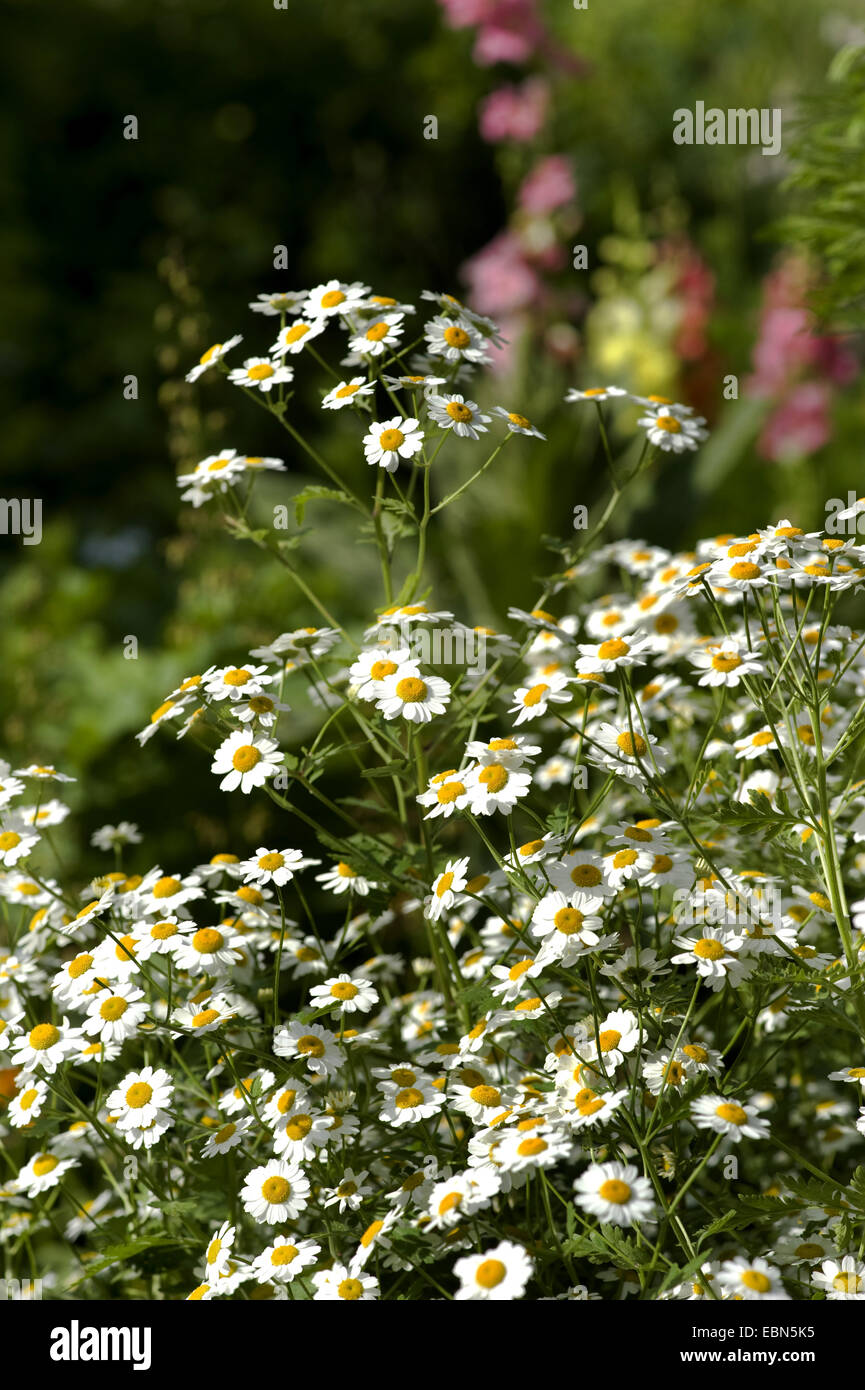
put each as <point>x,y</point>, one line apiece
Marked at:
<point>801,425</point>
<point>499,278</point>
<point>549,185</point>
<point>461,13</point>
<point>514,113</point>
<point>795,367</point>
<point>787,348</point>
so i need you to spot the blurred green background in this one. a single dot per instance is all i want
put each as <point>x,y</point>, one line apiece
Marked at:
<point>304,127</point>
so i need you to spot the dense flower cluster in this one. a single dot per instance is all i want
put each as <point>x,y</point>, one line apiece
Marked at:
<point>566,1004</point>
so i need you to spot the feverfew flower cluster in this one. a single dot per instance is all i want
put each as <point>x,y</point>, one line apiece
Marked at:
<point>581,975</point>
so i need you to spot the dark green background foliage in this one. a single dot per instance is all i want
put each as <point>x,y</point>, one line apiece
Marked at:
<point>303,128</point>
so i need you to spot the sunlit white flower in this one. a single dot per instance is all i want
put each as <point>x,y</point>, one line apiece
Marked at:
<point>498,1274</point>
<point>246,761</point>
<point>616,1194</point>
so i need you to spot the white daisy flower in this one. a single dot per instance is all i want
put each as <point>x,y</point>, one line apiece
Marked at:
<point>43,1172</point>
<point>334,297</point>
<point>348,393</point>
<point>378,337</point>
<point>282,1261</point>
<point>246,761</point>
<point>497,1275</point>
<point>47,1045</point>
<point>275,1192</point>
<point>455,340</point>
<point>295,336</point>
<point>345,993</point>
<point>533,701</point>
<point>261,374</point>
<point>596,394</point>
<point>338,1282</point>
<point>728,1117</point>
<point>213,355</point>
<point>455,413</point>
<point>115,1015</point>
<point>342,878</point>
<point>446,888</point>
<point>751,1279</point>
<point>274,865</point>
<point>517,424</point>
<point>841,1280</point>
<point>282,302</point>
<point>390,440</point>
<point>414,697</point>
<point>496,788</point>
<point>673,432</point>
<point>616,1194</point>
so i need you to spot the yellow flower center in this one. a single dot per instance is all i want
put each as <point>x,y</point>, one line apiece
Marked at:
<point>709,949</point>
<point>632,745</point>
<point>615,1191</point>
<point>733,1114</point>
<point>245,758</point>
<point>269,862</point>
<point>410,690</point>
<point>350,1290</point>
<point>613,648</point>
<point>207,940</point>
<point>450,792</point>
<point>114,1008</point>
<point>391,439</point>
<point>379,669</point>
<point>490,1273</point>
<point>275,1190</point>
<point>43,1036</point>
<point>568,920</point>
<point>493,777</point>
<point>166,887</point>
<point>408,1098</point>
<point>485,1095</point>
<point>139,1094</point>
<point>586,876</point>
<point>283,1255</point>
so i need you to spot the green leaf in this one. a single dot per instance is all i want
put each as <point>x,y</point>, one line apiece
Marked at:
<point>317,490</point>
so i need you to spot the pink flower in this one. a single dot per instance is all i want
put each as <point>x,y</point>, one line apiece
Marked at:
<point>800,425</point>
<point>514,113</point>
<point>500,280</point>
<point>509,34</point>
<point>549,185</point>
<point>461,13</point>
